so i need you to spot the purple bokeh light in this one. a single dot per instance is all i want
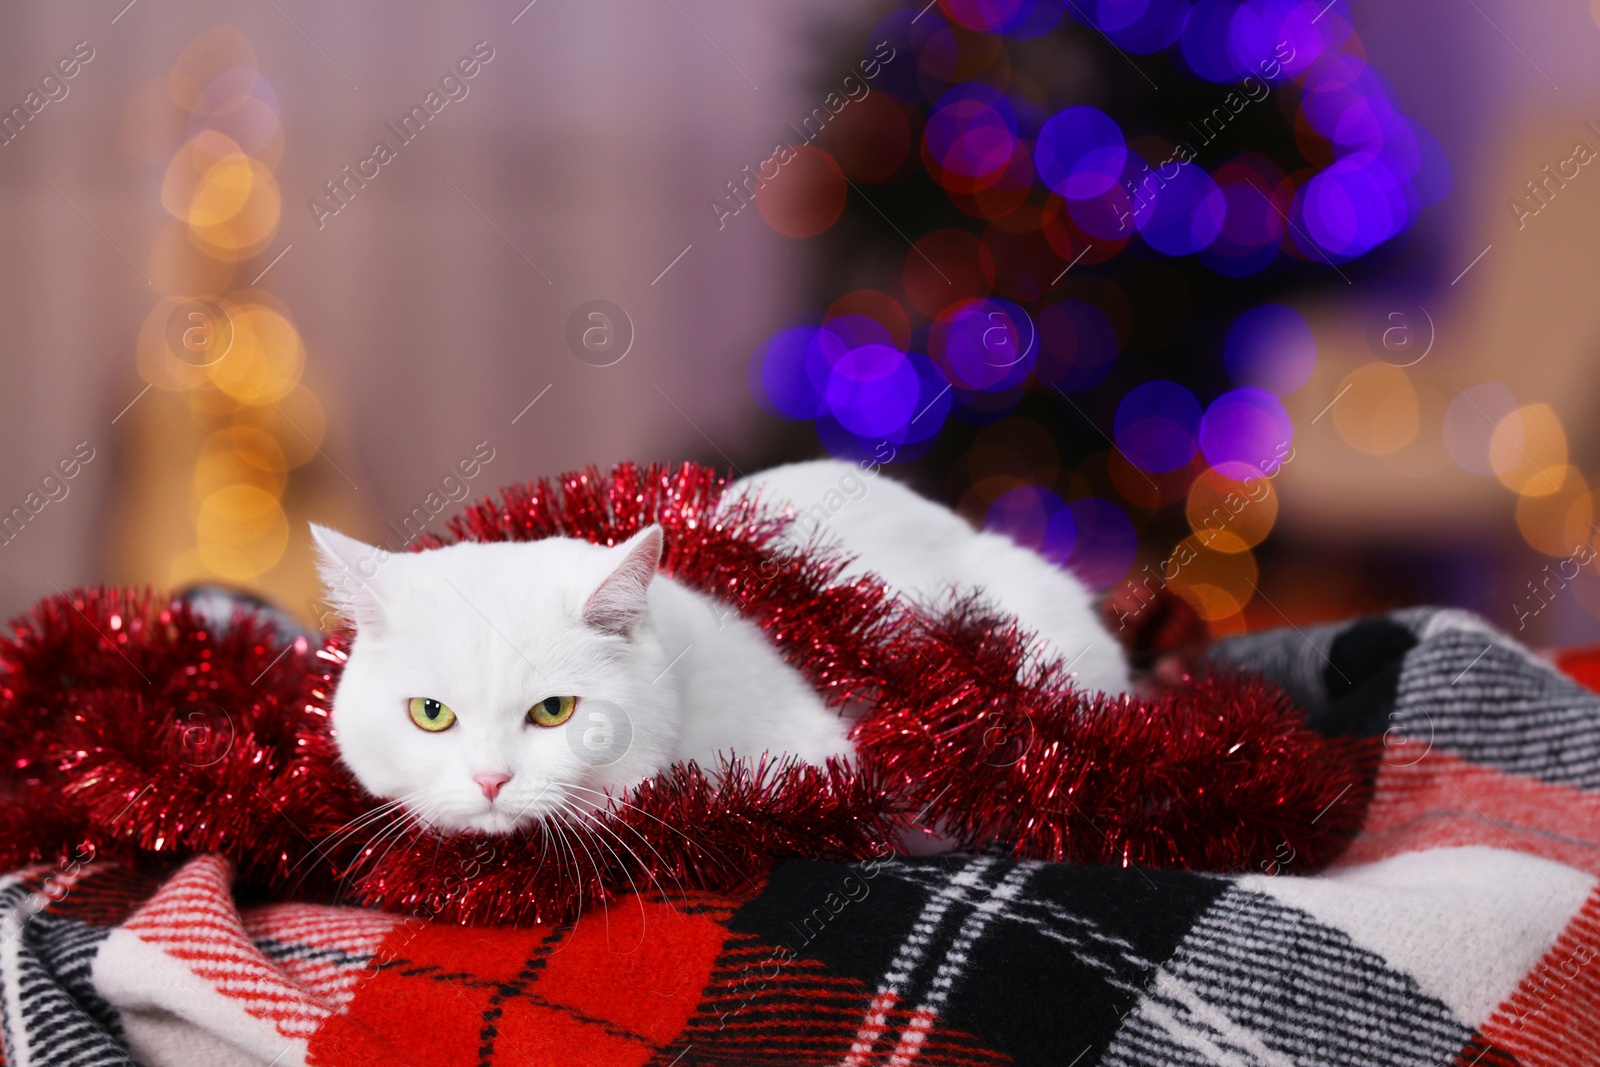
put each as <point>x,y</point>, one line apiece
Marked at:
<point>972,131</point>
<point>1247,426</point>
<point>1035,518</point>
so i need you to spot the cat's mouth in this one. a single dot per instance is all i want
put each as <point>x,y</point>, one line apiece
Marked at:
<point>495,823</point>
<point>500,817</point>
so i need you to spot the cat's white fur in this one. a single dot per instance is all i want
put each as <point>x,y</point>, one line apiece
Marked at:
<point>923,549</point>
<point>662,673</point>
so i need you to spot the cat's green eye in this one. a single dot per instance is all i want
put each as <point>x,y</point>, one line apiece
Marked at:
<point>430,714</point>
<point>552,711</point>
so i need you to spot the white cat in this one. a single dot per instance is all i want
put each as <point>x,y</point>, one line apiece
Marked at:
<point>490,685</point>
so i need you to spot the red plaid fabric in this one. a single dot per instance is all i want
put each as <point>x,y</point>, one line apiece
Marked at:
<point>1460,929</point>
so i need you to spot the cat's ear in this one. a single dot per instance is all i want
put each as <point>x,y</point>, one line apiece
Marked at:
<point>349,569</point>
<point>618,603</point>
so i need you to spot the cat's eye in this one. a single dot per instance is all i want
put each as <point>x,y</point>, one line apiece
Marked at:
<point>430,714</point>
<point>552,711</point>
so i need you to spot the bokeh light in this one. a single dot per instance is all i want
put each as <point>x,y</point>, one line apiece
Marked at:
<point>1270,348</point>
<point>1528,450</point>
<point>872,390</point>
<point>1232,509</point>
<point>805,196</point>
<point>984,344</point>
<point>1035,518</point>
<point>1378,411</point>
<point>1182,214</point>
<point>877,306</point>
<point>1156,424</point>
<point>1470,421</point>
<point>971,133</point>
<point>1217,584</point>
<point>986,16</point>
<point>1246,426</point>
<point>1141,26</point>
<point>242,531</point>
<point>1080,153</point>
<point>1558,523</point>
<point>1105,542</point>
<point>1006,300</point>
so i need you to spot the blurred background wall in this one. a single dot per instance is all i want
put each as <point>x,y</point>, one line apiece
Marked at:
<point>431,310</point>
<point>351,367</point>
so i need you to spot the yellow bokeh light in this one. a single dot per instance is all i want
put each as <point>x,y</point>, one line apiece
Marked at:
<point>242,531</point>
<point>157,360</point>
<point>237,455</point>
<point>1377,410</point>
<point>222,191</point>
<point>1212,603</point>
<point>1229,514</point>
<point>234,354</point>
<point>190,167</point>
<point>251,228</point>
<point>266,359</point>
<point>1557,523</point>
<point>1528,450</point>
<point>1217,584</point>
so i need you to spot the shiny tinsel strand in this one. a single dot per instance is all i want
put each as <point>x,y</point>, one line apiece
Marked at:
<point>142,733</point>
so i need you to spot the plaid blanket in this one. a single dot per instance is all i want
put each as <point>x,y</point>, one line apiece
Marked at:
<point>1460,929</point>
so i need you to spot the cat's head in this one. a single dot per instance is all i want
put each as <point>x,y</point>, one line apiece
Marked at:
<point>490,685</point>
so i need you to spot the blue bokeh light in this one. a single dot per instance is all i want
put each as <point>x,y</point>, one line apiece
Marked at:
<point>1155,426</point>
<point>1270,348</point>
<point>1080,152</point>
<point>1182,214</point>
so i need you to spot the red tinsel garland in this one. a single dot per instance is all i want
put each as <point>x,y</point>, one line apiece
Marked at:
<point>142,732</point>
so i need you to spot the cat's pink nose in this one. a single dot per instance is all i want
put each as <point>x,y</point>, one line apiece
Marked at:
<point>491,783</point>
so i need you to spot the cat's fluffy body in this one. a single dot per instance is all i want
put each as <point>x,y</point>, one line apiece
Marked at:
<point>662,673</point>
<point>923,550</point>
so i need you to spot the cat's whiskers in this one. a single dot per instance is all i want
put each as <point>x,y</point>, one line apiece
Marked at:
<point>578,819</point>
<point>650,815</point>
<point>599,821</point>
<point>389,838</point>
<point>339,836</point>
<point>367,818</point>
<point>578,835</point>
<point>555,825</point>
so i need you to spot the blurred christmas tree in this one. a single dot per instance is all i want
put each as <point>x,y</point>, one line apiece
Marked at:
<point>1058,237</point>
